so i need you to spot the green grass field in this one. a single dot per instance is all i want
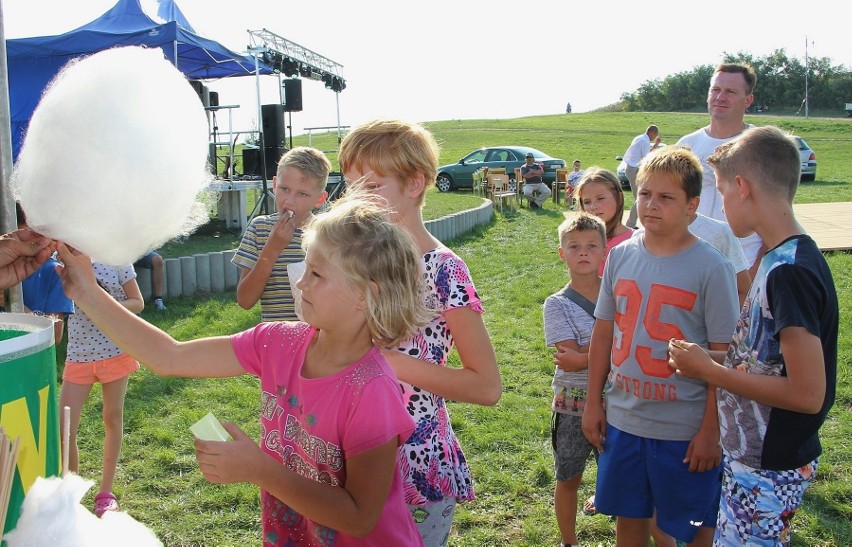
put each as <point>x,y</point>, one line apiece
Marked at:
<point>508,446</point>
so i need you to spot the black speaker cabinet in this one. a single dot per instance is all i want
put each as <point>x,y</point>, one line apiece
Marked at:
<point>293,95</point>
<point>273,125</point>
<point>251,162</point>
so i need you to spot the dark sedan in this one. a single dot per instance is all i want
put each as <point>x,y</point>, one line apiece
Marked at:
<point>460,174</point>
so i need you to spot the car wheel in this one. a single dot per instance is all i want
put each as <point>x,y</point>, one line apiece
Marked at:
<point>444,183</point>
<point>513,185</point>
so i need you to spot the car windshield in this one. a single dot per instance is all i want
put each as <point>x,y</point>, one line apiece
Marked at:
<point>476,156</point>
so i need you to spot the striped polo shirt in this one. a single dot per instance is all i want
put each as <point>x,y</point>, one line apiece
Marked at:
<point>276,302</point>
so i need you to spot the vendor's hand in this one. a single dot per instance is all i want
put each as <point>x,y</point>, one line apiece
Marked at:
<point>22,252</point>
<point>76,272</point>
<point>229,462</point>
<point>704,452</point>
<point>594,424</point>
<point>689,360</point>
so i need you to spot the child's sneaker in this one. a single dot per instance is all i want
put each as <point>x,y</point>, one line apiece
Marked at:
<point>159,304</point>
<point>105,501</point>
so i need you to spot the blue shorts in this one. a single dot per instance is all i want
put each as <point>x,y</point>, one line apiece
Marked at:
<point>145,261</point>
<point>637,475</point>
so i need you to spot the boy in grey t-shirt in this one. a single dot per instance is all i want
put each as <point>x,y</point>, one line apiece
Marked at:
<point>568,321</point>
<point>659,436</point>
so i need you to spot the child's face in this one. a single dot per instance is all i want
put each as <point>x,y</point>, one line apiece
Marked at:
<point>389,187</point>
<point>597,199</point>
<point>732,206</point>
<point>328,299</point>
<point>296,192</point>
<point>582,251</point>
<point>662,205</point>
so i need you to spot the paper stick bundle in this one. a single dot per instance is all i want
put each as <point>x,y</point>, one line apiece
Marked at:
<point>8,461</point>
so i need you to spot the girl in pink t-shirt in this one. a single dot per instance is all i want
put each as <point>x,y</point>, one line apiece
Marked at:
<point>331,409</point>
<point>599,193</point>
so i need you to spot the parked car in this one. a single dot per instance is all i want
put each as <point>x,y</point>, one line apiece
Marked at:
<point>809,163</point>
<point>460,174</point>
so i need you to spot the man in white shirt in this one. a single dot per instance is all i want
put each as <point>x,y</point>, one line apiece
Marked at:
<point>638,149</point>
<point>728,98</point>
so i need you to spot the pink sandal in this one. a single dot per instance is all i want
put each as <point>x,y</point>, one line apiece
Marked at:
<point>105,501</point>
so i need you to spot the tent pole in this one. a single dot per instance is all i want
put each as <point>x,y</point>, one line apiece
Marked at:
<point>8,218</point>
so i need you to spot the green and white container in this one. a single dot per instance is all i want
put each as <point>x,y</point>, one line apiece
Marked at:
<point>29,402</point>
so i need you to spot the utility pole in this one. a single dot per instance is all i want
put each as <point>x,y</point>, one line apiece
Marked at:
<point>807,69</point>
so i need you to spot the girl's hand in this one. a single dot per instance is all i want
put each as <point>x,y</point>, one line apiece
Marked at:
<point>229,462</point>
<point>76,272</point>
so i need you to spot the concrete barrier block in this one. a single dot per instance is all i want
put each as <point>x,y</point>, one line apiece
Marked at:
<point>232,271</point>
<point>202,272</point>
<point>217,272</point>
<point>189,282</point>
<point>174,277</point>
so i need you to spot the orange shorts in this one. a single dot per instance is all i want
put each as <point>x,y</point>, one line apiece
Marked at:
<point>106,371</point>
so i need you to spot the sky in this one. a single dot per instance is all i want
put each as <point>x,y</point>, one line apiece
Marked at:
<point>477,59</point>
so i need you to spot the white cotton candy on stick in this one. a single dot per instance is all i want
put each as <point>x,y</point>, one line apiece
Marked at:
<point>114,161</point>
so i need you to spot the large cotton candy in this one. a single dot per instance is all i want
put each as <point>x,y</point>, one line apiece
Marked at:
<point>114,161</point>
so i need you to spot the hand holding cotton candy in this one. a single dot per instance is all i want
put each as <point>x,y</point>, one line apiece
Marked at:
<point>115,158</point>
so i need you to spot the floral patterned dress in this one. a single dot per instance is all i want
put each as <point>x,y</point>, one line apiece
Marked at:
<point>432,462</point>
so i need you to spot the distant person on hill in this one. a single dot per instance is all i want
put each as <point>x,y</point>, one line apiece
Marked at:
<point>271,242</point>
<point>154,262</point>
<point>638,149</point>
<point>398,161</point>
<point>776,382</point>
<point>729,96</point>
<point>568,320</point>
<point>535,190</point>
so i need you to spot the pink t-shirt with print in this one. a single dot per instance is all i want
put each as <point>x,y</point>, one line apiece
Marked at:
<point>313,425</point>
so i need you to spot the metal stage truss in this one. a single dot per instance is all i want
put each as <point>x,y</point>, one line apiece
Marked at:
<point>292,59</point>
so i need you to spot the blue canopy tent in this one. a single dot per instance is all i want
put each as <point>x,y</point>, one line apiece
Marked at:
<point>33,62</point>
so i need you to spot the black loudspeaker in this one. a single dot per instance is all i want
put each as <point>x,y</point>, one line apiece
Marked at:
<point>214,98</point>
<point>293,95</point>
<point>251,162</point>
<point>201,90</point>
<point>273,125</point>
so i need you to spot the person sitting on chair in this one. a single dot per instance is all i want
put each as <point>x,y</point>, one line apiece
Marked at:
<point>535,189</point>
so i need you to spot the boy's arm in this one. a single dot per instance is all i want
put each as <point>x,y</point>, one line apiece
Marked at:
<point>571,357</point>
<point>253,280</point>
<point>743,286</point>
<point>705,451</point>
<point>203,358</point>
<point>801,390</point>
<point>600,350</point>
